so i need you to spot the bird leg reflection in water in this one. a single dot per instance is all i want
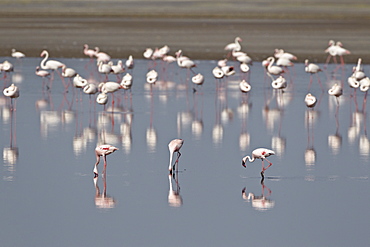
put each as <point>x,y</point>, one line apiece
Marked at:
<point>102,200</point>
<point>260,203</point>
<point>174,197</point>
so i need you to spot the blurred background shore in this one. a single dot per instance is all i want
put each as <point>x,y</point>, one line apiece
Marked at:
<point>200,28</point>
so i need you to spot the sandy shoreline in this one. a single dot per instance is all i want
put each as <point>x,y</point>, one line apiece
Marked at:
<point>200,38</point>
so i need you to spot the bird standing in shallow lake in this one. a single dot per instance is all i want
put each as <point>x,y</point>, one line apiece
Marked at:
<point>102,150</point>
<point>174,146</point>
<point>259,153</point>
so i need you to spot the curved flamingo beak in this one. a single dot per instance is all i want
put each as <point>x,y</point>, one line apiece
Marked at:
<point>243,164</point>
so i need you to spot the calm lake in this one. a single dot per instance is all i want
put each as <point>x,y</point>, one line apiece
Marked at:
<point>316,193</point>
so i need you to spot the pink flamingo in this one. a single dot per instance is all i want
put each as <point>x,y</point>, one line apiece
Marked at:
<point>12,92</point>
<point>102,150</point>
<point>89,52</point>
<point>259,153</point>
<point>174,146</point>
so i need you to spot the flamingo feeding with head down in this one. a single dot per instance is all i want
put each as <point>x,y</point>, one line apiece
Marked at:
<point>259,153</point>
<point>174,146</point>
<point>102,150</point>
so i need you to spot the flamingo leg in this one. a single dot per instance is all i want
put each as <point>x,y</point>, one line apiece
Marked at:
<point>265,168</point>
<point>105,164</point>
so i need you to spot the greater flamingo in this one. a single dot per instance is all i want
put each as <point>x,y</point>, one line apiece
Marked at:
<point>244,86</point>
<point>17,54</point>
<point>272,69</point>
<point>89,52</point>
<point>12,92</point>
<point>174,146</point>
<point>259,153</point>
<point>130,62</point>
<point>102,150</point>
<point>310,100</point>
<point>313,69</point>
<point>336,90</point>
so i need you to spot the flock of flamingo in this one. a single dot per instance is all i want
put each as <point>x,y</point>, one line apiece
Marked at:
<point>275,67</point>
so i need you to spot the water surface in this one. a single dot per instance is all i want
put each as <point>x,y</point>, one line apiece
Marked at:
<point>315,193</point>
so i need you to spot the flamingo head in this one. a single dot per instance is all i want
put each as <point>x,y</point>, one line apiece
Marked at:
<point>244,162</point>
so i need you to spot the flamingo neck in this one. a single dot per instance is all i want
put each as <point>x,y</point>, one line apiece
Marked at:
<point>249,158</point>
<point>42,64</point>
<point>170,165</point>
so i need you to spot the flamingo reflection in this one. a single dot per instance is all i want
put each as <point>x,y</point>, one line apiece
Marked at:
<point>103,200</point>
<point>11,153</point>
<point>260,203</point>
<point>174,197</point>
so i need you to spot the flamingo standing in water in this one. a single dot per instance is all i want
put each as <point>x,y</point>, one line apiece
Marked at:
<point>52,65</point>
<point>102,150</point>
<point>336,90</point>
<point>273,69</point>
<point>313,69</point>
<point>259,153</point>
<point>12,92</point>
<point>174,146</point>
<point>244,86</point>
<point>310,100</point>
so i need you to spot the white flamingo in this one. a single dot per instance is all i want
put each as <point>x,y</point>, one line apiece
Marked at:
<point>310,100</point>
<point>259,153</point>
<point>174,146</point>
<point>102,150</point>
<point>244,86</point>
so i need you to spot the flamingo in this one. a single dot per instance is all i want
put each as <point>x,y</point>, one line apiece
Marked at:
<point>118,68</point>
<point>218,73</point>
<point>279,83</point>
<point>101,56</point>
<point>110,87</point>
<point>174,146</point>
<point>152,76</point>
<point>41,73</point>
<point>104,68</point>
<point>336,90</point>
<point>17,54</point>
<point>6,66</point>
<point>271,69</point>
<point>228,70</point>
<point>235,46</point>
<point>280,53</point>
<point>68,73</point>
<point>49,64</point>
<point>90,89</point>
<point>12,92</point>
<point>244,86</point>
<point>340,51</point>
<point>102,99</point>
<point>148,53</point>
<point>222,62</point>
<point>310,100</point>
<point>164,50</point>
<point>79,81</point>
<point>259,153</point>
<point>89,52</point>
<point>126,81</point>
<point>313,69</point>
<point>102,150</point>
<point>198,79</point>
<point>358,72</point>
<point>130,62</point>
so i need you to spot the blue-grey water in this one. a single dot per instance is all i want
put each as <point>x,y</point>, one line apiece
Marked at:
<point>316,193</point>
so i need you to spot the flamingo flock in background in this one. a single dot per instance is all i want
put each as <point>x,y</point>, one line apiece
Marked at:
<point>276,65</point>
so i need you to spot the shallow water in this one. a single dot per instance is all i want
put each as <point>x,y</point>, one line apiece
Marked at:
<point>316,193</point>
